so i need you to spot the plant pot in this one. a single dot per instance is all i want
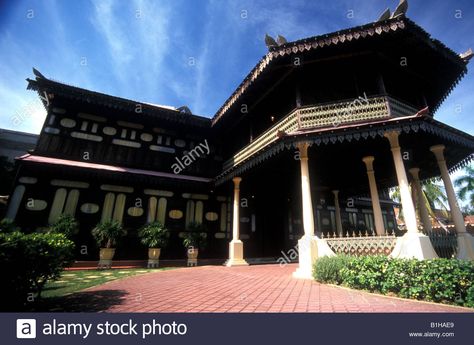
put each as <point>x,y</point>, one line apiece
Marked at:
<point>192,256</point>
<point>153,257</point>
<point>106,255</point>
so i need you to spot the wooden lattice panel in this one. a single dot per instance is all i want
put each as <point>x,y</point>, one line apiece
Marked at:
<point>331,114</point>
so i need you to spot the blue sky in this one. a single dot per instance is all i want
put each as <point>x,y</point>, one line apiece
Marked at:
<point>144,50</point>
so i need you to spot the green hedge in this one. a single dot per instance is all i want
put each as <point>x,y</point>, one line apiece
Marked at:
<point>328,269</point>
<point>438,280</point>
<point>470,297</point>
<point>27,262</point>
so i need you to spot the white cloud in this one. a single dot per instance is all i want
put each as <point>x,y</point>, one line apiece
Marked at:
<point>26,112</point>
<point>109,26</point>
<point>43,52</point>
<point>153,33</point>
<point>137,38</point>
<point>15,99</point>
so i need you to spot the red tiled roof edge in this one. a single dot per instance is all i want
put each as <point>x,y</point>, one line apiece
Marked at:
<point>65,162</point>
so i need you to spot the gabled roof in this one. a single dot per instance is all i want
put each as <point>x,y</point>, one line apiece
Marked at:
<point>338,38</point>
<point>41,83</point>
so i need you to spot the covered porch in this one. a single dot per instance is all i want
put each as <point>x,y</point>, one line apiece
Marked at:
<point>304,184</point>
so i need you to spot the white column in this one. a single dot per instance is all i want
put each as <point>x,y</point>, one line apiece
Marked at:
<point>465,240</point>
<point>374,195</point>
<point>408,208</point>
<point>236,209</point>
<point>338,213</point>
<point>453,203</point>
<point>236,247</point>
<point>423,210</point>
<point>310,247</point>
<point>308,217</point>
<point>413,244</point>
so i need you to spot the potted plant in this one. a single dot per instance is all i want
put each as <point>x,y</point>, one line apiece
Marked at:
<point>194,239</point>
<point>107,234</point>
<point>155,236</point>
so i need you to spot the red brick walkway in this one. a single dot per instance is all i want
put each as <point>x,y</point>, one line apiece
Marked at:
<point>263,288</point>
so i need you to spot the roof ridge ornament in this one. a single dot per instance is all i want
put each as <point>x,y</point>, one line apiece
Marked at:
<point>38,74</point>
<point>467,55</point>
<point>385,15</point>
<point>184,110</point>
<point>400,11</point>
<point>281,40</point>
<point>270,42</point>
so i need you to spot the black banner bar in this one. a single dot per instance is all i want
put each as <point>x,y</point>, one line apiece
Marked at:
<point>102,328</point>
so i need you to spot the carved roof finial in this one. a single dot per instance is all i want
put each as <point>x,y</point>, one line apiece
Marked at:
<point>467,55</point>
<point>385,15</point>
<point>281,40</point>
<point>38,73</point>
<point>270,41</point>
<point>401,9</point>
<point>184,110</point>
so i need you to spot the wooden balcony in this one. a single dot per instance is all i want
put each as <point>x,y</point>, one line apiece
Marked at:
<point>358,110</point>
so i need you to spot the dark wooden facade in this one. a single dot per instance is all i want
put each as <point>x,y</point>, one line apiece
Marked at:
<point>100,156</point>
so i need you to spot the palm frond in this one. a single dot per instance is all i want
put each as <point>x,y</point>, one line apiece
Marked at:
<point>465,185</point>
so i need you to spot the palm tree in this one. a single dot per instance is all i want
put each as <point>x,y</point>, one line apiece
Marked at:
<point>434,197</point>
<point>465,185</point>
<point>394,194</point>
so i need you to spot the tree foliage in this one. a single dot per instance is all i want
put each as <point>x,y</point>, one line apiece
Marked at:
<point>465,185</point>
<point>27,262</point>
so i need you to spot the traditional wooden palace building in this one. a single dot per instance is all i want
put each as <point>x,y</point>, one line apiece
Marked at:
<point>296,155</point>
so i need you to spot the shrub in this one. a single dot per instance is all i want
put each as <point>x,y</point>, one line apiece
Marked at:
<point>470,297</point>
<point>327,269</point>
<point>108,233</point>
<point>400,277</point>
<point>437,280</point>
<point>66,224</point>
<point>8,226</point>
<point>447,280</point>
<point>154,235</point>
<point>365,272</point>
<point>28,261</point>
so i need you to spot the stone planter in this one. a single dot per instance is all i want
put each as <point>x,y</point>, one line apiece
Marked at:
<point>192,256</point>
<point>106,256</point>
<point>153,257</point>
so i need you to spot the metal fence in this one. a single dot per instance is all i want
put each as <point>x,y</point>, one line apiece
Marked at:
<point>445,242</point>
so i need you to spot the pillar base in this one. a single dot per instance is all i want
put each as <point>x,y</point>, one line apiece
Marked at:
<point>414,245</point>
<point>309,249</point>
<point>236,254</point>
<point>465,246</point>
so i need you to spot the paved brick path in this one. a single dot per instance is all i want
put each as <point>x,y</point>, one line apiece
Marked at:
<point>262,288</point>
